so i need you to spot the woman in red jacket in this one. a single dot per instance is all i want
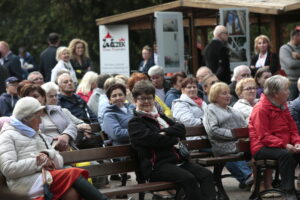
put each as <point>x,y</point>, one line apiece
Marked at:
<point>273,132</point>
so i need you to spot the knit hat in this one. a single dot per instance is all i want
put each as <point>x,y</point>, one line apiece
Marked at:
<point>26,106</point>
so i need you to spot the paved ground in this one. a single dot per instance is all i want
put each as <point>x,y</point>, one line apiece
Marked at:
<point>230,185</point>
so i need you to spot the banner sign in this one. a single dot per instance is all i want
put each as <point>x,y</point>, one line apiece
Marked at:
<point>237,22</point>
<point>170,41</point>
<point>114,49</point>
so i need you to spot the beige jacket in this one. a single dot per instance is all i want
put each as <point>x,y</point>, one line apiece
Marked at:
<point>18,158</point>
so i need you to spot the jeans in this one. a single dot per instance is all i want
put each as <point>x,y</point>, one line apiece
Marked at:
<point>239,170</point>
<point>287,163</point>
<point>294,91</point>
<point>196,181</point>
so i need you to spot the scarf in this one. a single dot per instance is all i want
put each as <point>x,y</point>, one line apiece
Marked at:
<point>23,128</point>
<point>155,115</point>
<point>198,101</point>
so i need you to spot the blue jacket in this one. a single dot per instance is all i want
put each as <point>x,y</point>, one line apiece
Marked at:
<point>115,123</point>
<point>294,108</point>
<point>171,95</point>
<point>78,107</point>
<point>7,104</point>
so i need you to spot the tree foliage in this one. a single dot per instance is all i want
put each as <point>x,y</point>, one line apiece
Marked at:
<point>28,22</point>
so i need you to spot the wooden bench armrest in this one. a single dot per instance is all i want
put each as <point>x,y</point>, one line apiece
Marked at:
<point>240,133</point>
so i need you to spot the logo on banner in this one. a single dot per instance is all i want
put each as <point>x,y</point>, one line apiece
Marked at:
<point>109,43</point>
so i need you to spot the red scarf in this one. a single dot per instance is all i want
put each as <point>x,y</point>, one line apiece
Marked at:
<point>198,101</point>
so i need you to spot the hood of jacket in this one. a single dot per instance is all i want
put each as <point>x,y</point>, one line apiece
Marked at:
<point>186,99</point>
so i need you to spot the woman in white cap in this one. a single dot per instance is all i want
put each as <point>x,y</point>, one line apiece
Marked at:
<point>25,152</point>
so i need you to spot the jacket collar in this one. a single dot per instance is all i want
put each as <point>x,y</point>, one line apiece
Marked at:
<point>271,105</point>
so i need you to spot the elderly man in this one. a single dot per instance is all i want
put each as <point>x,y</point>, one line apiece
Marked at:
<point>36,77</point>
<point>216,54</point>
<point>68,99</point>
<point>9,99</point>
<point>202,72</point>
<point>239,72</point>
<point>11,61</point>
<point>290,62</point>
<point>156,74</point>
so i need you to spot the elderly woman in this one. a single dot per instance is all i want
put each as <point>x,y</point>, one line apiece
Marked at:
<point>25,152</point>
<point>218,121</point>
<point>117,115</point>
<point>263,56</point>
<point>246,90</point>
<point>155,136</point>
<point>273,132</point>
<point>55,123</point>
<point>189,108</point>
<point>260,77</point>
<point>63,64</point>
<point>80,58</point>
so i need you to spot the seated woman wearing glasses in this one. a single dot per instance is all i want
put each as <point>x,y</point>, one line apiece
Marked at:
<point>246,91</point>
<point>154,137</point>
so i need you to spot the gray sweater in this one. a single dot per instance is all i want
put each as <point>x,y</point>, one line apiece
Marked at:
<point>290,65</point>
<point>218,123</point>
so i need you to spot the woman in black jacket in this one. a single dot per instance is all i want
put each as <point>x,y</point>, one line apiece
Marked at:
<point>155,137</point>
<point>263,56</point>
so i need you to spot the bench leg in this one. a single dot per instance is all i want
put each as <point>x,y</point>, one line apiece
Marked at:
<point>218,168</point>
<point>254,195</point>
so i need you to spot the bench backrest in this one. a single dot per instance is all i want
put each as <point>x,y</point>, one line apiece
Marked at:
<point>242,136</point>
<point>124,165</point>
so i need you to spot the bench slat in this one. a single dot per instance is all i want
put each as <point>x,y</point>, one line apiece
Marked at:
<point>197,144</point>
<point>221,159</point>
<point>195,131</point>
<point>111,168</point>
<point>138,188</point>
<point>97,154</point>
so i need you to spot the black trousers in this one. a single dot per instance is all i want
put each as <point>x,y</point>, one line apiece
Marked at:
<point>196,181</point>
<point>287,163</point>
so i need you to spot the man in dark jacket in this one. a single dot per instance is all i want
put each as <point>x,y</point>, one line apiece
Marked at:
<point>48,56</point>
<point>11,61</point>
<point>216,54</point>
<point>71,101</point>
<point>9,99</point>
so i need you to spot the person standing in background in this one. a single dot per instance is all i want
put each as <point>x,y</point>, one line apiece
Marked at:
<point>216,54</point>
<point>48,56</point>
<point>290,63</point>
<point>80,58</point>
<point>11,61</point>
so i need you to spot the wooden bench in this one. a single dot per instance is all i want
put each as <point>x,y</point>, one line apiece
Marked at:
<point>243,145</point>
<point>130,164</point>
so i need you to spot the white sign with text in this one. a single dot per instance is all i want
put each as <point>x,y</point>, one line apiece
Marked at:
<point>114,49</point>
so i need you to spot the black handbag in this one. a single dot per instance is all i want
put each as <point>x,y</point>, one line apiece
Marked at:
<point>93,141</point>
<point>183,151</point>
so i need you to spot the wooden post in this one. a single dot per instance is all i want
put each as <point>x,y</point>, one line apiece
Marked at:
<point>275,34</point>
<point>193,42</point>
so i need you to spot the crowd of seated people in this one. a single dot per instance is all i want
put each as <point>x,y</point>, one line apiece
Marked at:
<point>150,112</point>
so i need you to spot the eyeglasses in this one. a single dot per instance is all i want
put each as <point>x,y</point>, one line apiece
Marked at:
<point>38,79</point>
<point>52,96</point>
<point>250,88</point>
<point>144,99</point>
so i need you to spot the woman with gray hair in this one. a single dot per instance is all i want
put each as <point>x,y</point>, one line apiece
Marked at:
<point>273,132</point>
<point>26,158</point>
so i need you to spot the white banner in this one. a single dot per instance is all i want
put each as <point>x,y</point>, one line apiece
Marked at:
<point>114,49</point>
<point>169,37</point>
